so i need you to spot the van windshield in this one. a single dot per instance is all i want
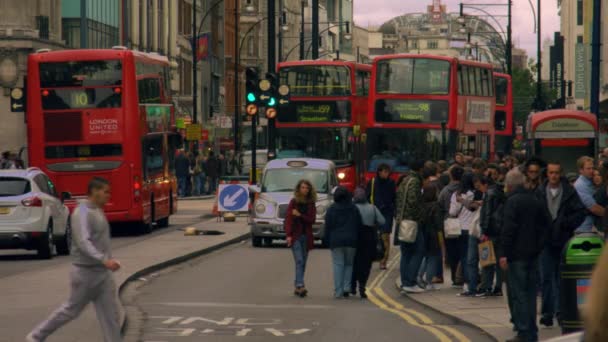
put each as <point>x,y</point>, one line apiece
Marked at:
<point>285,180</point>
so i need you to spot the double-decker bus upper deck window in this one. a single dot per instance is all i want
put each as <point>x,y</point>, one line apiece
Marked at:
<point>501,90</point>
<point>317,80</point>
<point>152,82</point>
<point>413,76</point>
<point>83,84</point>
<point>363,82</point>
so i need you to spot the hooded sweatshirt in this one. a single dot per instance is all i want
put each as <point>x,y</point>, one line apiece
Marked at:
<point>90,236</point>
<point>342,223</point>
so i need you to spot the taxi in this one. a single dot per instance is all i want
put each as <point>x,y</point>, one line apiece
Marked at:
<point>276,190</point>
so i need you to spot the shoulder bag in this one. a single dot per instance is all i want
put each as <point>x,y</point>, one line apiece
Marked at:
<point>451,226</point>
<point>408,229</point>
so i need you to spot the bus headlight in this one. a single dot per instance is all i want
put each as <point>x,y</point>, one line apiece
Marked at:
<point>341,175</point>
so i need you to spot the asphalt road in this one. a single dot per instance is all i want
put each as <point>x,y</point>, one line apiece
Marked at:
<point>242,292</point>
<point>13,262</point>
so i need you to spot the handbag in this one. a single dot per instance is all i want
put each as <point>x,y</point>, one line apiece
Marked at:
<point>451,226</point>
<point>408,229</point>
<point>487,256</point>
<point>379,252</point>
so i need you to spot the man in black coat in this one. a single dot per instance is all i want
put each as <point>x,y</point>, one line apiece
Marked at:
<point>182,172</point>
<point>381,191</point>
<point>526,222</point>
<point>567,212</point>
<point>213,171</point>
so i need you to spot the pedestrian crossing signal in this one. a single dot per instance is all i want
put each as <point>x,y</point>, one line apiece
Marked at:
<point>252,90</point>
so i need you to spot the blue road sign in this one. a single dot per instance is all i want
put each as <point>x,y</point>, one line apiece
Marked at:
<point>233,197</point>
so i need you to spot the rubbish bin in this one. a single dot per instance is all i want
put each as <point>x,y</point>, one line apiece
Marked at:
<point>578,259</point>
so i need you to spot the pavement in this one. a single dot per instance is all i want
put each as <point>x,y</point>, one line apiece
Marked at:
<point>30,296</point>
<point>245,293</point>
<point>489,314</point>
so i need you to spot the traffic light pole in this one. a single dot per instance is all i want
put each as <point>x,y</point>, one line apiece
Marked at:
<point>237,61</point>
<point>315,29</point>
<point>272,68</point>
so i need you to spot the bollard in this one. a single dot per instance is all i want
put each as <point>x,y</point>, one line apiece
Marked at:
<point>578,259</point>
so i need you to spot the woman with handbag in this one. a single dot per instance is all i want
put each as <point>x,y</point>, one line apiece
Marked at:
<point>301,215</point>
<point>367,240</point>
<point>463,206</point>
<point>409,214</point>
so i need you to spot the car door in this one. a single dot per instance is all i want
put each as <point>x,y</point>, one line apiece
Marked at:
<point>62,213</point>
<point>50,202</point>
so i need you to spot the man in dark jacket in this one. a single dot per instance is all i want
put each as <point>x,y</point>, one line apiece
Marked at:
<point>381,191</point>
<point>213,169</point>
<point>522,239</point>
<point>490,220</point>
<point>182,172</point>
<point>342,224</point>
<point>567,212</point>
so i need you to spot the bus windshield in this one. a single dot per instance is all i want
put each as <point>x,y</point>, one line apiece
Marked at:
<point>413,76</point>
<point>325,143</point>
<point>400,147</point>
<point>316,80</point>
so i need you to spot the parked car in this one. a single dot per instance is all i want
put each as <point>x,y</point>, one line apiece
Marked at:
<point>32,214</point>
<point>275,191</point>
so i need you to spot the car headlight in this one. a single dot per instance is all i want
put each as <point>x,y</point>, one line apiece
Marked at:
<point>321,209</point>
<point>341,175</point>
<point>264,208</point>
<point>260,208</point>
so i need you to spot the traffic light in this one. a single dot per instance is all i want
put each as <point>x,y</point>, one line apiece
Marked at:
<point>252,91</point>
<point>284,95</point>
<point>270,90</point>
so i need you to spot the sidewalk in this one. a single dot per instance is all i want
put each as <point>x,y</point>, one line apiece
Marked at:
<point>489,314</point>
<point>29,297</point>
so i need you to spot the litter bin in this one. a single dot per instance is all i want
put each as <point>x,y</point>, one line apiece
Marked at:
<point>578,259</point>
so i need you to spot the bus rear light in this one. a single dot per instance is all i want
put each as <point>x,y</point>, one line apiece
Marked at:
<point>32,202</point>
<point>45,93</point>
<point>136,185</point>
<point>341,176</point>
<point>117,90</point>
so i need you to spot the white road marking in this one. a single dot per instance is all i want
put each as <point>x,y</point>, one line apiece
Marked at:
<point>169,320</point>
<point>190,320</point>
<point>243,332</point>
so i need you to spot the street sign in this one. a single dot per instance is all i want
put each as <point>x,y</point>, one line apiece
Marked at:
<point>233,197</point>
<point>264,97</point>
<point>193,132</point>
<point>252,110</point>
<point>17,100</point>
<point>271,113</point>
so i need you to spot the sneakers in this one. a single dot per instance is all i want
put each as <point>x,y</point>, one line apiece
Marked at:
<point>546,321</point>
<point>300,292</point>
<point>412,289</point>
<point>30,338</point>
<point>432,287</point>
<point>484,294</point>
<point>382,266</point>
<point>497,293</point>
<point>467,294</point>
<point>457,286</point>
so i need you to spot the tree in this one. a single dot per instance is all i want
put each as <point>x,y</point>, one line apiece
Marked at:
<point>524,93</point>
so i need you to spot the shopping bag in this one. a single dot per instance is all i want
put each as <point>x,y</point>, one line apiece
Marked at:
<point>487,257</point>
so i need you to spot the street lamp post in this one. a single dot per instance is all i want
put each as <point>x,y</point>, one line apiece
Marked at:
<point>539,86</point>
<point>304,4</point>
<point>315,29</point>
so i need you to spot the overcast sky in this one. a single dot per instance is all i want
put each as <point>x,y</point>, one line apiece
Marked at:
<point>376,12</point>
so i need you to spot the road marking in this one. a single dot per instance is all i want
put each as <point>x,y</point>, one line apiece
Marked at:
<point>385,302</point>
<point>241,305</point>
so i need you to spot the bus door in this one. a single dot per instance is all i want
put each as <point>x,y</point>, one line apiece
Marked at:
<point>482,145</point>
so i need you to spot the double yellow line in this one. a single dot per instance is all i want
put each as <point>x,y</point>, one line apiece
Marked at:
<point>377,296</point>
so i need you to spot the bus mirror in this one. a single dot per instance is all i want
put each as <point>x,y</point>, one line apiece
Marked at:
<point>333,191</point>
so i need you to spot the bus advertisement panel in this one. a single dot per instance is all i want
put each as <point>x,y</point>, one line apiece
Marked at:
<point>503,118</point>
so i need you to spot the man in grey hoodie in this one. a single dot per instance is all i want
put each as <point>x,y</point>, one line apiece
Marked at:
<point>91,276</point>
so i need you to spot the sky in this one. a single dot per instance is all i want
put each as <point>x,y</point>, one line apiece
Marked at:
<point>375,12</point>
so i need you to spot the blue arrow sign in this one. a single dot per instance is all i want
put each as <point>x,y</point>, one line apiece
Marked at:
<point>233,197</point>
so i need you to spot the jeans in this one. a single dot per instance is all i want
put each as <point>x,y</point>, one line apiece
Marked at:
<point>521,283</point>
<point>487,276</point>
<point>199,184</point>
<point>434,268</point>
<point>182,186</point>
<point>300,256</point>
<point>452,257</point>
<point>411,258</point>
<point>212,185</point>
<point>472,263</point>
<point>463,252</point>
<point>385,235</point>
<point>343,259</point>
<point>549,274</point>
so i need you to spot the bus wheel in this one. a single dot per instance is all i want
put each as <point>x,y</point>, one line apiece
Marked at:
<point>163,223</point>
<point>256,241</point>
<point>145,227</point>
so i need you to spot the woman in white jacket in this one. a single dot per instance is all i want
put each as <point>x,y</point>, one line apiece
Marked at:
<point>463,206</point>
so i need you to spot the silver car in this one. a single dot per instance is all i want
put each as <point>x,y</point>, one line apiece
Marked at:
<point>276,191</point>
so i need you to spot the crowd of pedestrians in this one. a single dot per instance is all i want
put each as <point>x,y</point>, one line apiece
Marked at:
<point>10,160</point>
<point>199,174</point>
<point>523,211</point>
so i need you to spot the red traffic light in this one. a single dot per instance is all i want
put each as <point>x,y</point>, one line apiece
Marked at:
<point>252,109</point>
<point>271,113</point>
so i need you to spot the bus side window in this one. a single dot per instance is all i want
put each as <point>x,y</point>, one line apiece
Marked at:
<point>152,155</point>
<point>471,77</point>
<point>480,91</point>
<point>461,83</point>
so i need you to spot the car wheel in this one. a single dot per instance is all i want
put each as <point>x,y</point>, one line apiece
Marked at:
<point>46,247</point>
<point>256,241</point>
<point>267,242</point>
<point>324,243</point>
<point>64,246</point>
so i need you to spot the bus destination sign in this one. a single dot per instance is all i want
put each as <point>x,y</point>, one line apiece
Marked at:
<point>411,111</point>
<point>311,112</point>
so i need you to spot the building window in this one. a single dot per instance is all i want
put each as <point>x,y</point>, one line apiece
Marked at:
<point>414,44</point>
<point>250,46</point>
<point>185,18</point>
<point>432,44</point>
<point>579,12</point>
<point>579,39</point>
<point>186,77</point>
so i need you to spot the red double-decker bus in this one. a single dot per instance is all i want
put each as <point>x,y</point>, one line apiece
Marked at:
<point>106,113</point>
<point>326,115</point>
<point>428,107</point>
<point>503,117</point>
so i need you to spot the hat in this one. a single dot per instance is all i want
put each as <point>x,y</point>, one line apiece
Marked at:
<point>360,195</point>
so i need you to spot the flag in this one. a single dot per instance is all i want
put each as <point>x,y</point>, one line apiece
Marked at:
<point>202,47</point>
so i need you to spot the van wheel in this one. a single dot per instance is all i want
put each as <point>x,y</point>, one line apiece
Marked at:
<point>64,245</point>
<point>256,241</point>
<point>46,247</point>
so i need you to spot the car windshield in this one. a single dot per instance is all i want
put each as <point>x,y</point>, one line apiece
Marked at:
<point>285,180</point>
<point>13,186</point>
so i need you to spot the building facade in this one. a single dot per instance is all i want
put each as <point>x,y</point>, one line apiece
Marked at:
<point>25,26</point>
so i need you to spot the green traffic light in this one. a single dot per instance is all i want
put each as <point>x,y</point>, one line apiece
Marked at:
<point>337,138</point>
<point>272,102</point>
<point>251,97</point>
